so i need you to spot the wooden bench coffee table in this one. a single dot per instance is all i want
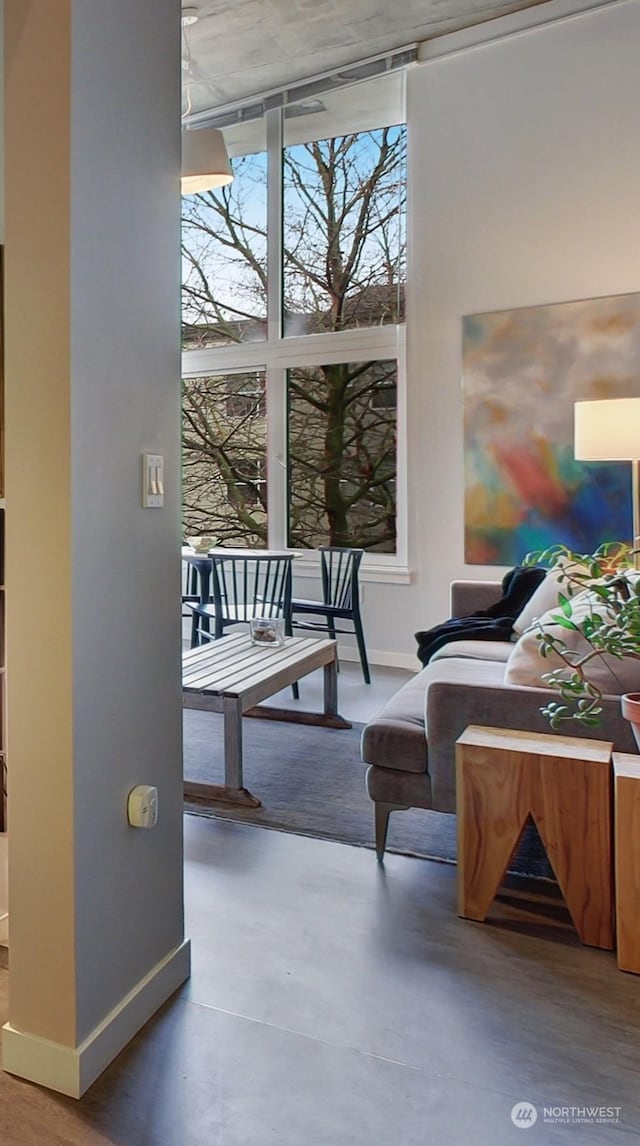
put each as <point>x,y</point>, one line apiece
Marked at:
<point>232,676</point>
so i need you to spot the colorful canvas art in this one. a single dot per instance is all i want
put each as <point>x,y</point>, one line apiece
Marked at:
<point>522,372</point>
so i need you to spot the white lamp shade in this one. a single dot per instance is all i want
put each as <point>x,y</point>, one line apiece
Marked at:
<point>608,430</point>
<point>205,163</point>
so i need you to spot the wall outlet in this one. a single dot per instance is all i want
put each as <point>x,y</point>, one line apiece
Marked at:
<point>142,806</point>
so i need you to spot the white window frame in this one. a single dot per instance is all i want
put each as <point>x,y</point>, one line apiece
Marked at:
<point>277,354</point>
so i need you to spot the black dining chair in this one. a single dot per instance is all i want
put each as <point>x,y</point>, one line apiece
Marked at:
<point>196,576</point>
<point>190,596</point>
<point>243,586</point>
<point>340,599</point>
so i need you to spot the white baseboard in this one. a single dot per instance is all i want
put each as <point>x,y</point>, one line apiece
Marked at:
<point>381,657</point>
<point>71,1070</point>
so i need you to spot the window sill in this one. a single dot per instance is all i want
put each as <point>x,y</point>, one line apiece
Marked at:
<point>383,574</point>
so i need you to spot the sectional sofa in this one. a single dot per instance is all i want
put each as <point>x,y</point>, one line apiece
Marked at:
<point>410,744</point>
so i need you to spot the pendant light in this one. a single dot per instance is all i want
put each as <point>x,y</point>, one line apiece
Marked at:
<point>205,162</point>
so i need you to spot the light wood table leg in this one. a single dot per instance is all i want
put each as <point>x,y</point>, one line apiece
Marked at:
<point>232,791</point>
<point>232,743</point>
<point>565,784</point>
<point>626,770</point>
<point>331,688</point>
<point>328,718</point>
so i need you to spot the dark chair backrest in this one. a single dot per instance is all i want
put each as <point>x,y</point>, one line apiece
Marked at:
<point>251,586</point>
<point>340,575</point>
<point>190,582</point>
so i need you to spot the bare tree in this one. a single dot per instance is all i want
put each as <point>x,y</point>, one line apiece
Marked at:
<point>342,447</point>
<point>343,268</point>
<point>224,252</point>
<point>224,489</point>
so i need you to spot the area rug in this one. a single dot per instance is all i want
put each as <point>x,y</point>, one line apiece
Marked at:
<point>311,782</point>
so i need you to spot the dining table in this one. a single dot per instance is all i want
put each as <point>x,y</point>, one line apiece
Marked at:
<point>201,561</point>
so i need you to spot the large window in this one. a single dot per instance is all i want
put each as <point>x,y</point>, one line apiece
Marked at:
<point>224,253</point>
<point>293,304</point>
<point>342,456</point>
<point>224,444</point>
<point>343,231</point>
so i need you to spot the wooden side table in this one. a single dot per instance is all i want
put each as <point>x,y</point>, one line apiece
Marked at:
<point>626,773</point>
<point>564,782</point>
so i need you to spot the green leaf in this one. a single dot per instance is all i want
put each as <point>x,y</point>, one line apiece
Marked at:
<point>565,604</point>
<point>564,622</point>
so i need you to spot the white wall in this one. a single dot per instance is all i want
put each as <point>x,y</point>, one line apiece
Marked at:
<point>524,189</point>
<point>93,630</point>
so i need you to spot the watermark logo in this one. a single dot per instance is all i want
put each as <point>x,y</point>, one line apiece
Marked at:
<point>586,1115</point>
<point>524,1115</point>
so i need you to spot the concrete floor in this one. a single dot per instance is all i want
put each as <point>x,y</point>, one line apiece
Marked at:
<point>357,701</point>
<point>337,1003</point>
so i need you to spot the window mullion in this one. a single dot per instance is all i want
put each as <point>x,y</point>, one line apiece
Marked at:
<point>276,377</point>
<point>274,225</point>
<point>276,456</point>
<point>402,490</point>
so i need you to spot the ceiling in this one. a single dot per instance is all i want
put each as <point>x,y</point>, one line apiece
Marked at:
<point>243,48</point>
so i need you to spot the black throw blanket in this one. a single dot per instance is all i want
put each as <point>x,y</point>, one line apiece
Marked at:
<point>492,624</point>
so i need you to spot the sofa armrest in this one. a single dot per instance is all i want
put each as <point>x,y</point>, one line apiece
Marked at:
<point>467,597</point>
<point>450,707</point>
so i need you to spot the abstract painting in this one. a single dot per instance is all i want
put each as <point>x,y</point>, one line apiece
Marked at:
<point>522,372</point>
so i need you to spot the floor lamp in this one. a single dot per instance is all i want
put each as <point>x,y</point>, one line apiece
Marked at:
<point>609,431</point>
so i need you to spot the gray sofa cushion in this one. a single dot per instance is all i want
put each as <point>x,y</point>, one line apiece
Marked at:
<point>391,787</point>
<point>475,650</point>
<point>462,671</point>
<point>395,738</point>
<point>468,597</point>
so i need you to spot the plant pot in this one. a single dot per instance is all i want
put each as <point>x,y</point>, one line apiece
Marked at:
<point>630,704</point>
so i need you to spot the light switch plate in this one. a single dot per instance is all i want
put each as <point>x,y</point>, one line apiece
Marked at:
<point>152,481</point>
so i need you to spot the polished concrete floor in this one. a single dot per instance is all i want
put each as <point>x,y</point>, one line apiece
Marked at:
<point>334,1002</point>
<point>357,701</point>
<point>337,1003</point>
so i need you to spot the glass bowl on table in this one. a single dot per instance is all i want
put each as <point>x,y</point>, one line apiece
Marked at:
<point>267,632</point>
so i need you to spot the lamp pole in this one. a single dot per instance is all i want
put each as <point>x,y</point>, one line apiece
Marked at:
<point>635,478</point>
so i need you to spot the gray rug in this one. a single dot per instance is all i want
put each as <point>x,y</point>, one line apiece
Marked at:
<point>311,783</point>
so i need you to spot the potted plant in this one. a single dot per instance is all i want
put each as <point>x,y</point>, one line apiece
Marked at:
<point>593,634</point>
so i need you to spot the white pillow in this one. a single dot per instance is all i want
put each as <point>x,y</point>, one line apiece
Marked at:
<point>544,598</point>
<point>613,675</point>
